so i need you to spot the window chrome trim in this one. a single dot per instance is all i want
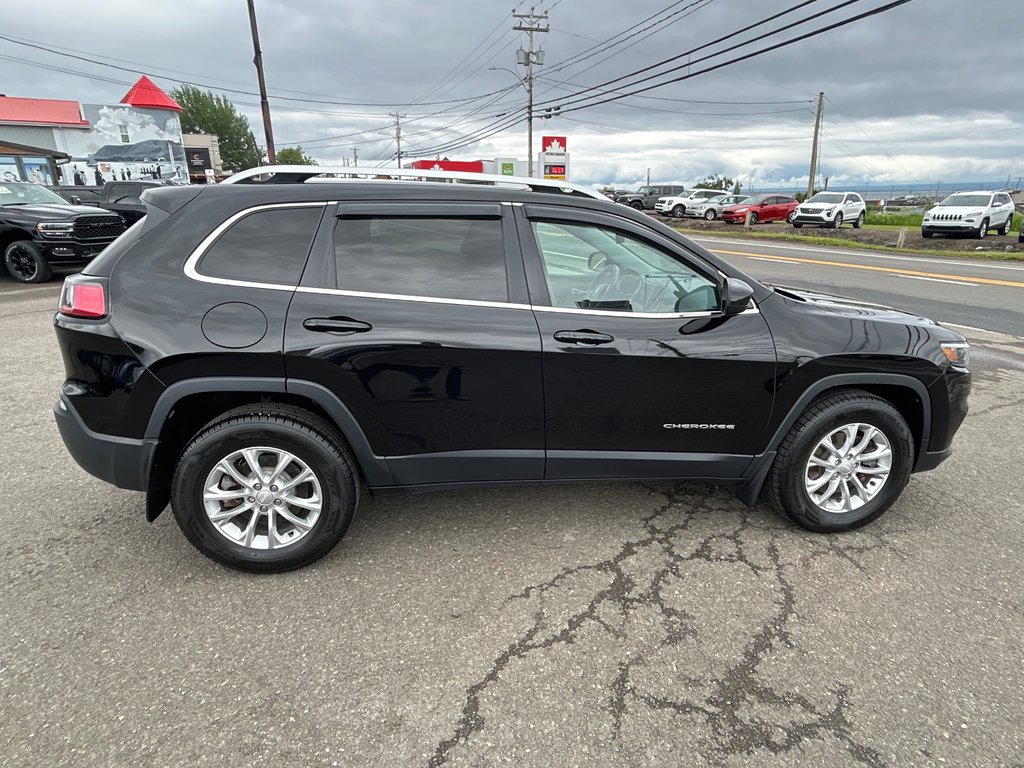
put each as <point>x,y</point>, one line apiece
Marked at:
<point>752,310</point>
<point>409,297</point>
<point>201,249</point>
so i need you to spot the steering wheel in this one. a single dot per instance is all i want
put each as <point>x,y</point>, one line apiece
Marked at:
<point>604,281</point>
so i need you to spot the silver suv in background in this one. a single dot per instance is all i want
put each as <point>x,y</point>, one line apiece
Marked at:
<point>678,205</point>
<point>831,209</point>
<point>711,209</point>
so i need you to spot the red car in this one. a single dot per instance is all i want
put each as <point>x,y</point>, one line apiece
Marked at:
<point>762,208</point>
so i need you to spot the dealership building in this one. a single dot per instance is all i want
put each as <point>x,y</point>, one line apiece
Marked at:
<point>56,141</point>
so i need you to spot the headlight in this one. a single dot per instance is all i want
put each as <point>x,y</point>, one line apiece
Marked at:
<point>55,228</point>
<point>972,214</point>
<point>957,352</point>
<point>830,211</point>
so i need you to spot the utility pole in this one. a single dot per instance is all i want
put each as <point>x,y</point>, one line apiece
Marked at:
<point>398,134</point>
<point>258,61</point>
<point>528,58</point>
<point>355,156</point>
<point>814,146</point>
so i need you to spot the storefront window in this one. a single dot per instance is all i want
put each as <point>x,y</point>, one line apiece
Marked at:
<point>9,169</point>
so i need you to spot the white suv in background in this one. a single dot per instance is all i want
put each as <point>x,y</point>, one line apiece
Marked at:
<point>831,209</point>
<point>970,212</point>
<point>678,205</point>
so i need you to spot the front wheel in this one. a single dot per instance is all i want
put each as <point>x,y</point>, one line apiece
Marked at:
<point>679,211</point>
<point>25,262</point>
<point>844,462</point>
<point>753,218</point>
<point>637,206</point>
<point>926,234</point>
<point>265,489</point>
<point>859,221</point>
<point>982,230</point>
<point>838,222</point>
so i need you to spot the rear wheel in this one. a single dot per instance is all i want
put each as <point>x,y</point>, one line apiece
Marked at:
<point>710,214</point>
<point>1005,229</point>
<point>265,489</point>
<point>982,230</point>
<point>844,462</point>
<point>25,262</point>
<point>859,221</point>
<point>679,211</point>
<point>792,215</point>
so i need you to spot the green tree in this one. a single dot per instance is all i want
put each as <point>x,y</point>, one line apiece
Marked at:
<point>294,156</point>
<point>714,181</point>
<point>204,112</point>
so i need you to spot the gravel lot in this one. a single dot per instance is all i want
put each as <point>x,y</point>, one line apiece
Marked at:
<point>590,625</point>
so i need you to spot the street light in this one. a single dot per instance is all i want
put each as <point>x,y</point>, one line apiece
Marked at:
<point>527,58</point>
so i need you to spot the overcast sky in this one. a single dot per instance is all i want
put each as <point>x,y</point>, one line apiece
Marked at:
<point>930,91</point>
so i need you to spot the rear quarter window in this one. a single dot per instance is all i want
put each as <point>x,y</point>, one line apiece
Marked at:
<point>268,246</point>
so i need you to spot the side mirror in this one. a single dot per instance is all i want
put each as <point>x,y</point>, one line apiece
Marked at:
<point>596,261</point>
<point>76,200</point>
<point>736,296</point>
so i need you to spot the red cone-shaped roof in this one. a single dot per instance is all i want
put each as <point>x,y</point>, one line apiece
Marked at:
<point>146,94</point>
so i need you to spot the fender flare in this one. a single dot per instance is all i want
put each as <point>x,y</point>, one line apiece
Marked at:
<point>375,468</point>
<point>750,488</point>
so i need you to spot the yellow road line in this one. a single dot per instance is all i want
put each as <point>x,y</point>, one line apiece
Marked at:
<point>871,268</point>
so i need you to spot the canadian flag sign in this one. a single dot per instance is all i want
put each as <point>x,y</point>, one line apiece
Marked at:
<point>552,144</point>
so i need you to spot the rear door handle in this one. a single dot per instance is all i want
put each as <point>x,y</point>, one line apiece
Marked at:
<point>335,325</point>
<point>583,337</point>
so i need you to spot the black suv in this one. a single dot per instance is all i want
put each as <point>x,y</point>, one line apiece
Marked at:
<point>40,231</point>
<point>258,354</point>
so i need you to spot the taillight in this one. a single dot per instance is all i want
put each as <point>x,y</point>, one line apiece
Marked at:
<point>81,298</point>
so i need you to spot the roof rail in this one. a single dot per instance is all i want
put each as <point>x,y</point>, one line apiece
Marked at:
<point>298,174</point>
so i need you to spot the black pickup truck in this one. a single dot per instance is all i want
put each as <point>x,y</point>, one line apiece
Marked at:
<point>125,198</point>
<point>40,232</point>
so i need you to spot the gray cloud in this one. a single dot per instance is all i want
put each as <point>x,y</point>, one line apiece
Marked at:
<point>929,91</point>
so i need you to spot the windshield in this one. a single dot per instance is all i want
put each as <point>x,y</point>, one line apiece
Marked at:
<point>753,200</point>
<point>21,193</point>
<point>826,197</point>
<point>966,200</point>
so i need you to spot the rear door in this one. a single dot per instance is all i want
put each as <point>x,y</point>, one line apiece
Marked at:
<point>643,377</point>
<point>416,317</point>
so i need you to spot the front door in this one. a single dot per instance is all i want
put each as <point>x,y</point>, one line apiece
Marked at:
<point>643,375</point>
<point>416,317</point>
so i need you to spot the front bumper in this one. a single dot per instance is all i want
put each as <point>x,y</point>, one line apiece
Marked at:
<point>70,252</point>
<point>121,461</point>
<point>938,227</point>
<point>812,219</point>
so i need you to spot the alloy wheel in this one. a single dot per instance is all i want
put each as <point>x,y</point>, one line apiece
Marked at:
<point>21,263</point>
<point>848,467</point>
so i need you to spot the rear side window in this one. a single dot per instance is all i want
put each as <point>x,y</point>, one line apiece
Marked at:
<point>267,246</point>
<point>445,258</point>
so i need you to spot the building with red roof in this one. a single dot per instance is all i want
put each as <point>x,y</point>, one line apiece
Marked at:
<point>68,142</point>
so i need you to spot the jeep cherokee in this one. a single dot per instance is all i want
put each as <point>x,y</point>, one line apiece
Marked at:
<point>258,354</point>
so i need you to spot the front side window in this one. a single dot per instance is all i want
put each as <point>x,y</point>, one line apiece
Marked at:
<point>432,257</point>
<point>268,246</point>
<point>592,267</point>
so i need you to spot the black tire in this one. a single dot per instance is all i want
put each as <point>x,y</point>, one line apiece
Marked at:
<point>753,218</point>
<point>679,211</point>
<point>859,221</point>
<point>926,234</point>
<point>837,222</point>
<point>291,429</point>
<point>25,263</point>
<point>982,231</point>
<point>785,484</point>
<point>1005,229</point>
<point>796,224</point>
<point>792,215</point>
<point>710,214</point>
<point>637,206</point>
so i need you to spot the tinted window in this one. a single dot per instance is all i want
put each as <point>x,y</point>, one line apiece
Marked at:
<point>446,258</point>
<point>591,267</point>
<point>264,247</point>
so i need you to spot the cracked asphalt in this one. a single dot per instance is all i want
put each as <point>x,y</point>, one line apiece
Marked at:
<point>585,625</point>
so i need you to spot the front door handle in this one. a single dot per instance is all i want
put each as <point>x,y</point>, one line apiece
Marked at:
<point>583,337</point>
<point>336,325</point>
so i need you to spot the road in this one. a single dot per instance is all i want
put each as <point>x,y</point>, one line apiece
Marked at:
<point>586,625</point>
<point>975,293</point>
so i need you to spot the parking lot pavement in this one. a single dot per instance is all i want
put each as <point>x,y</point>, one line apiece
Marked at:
<point>593,625</point>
